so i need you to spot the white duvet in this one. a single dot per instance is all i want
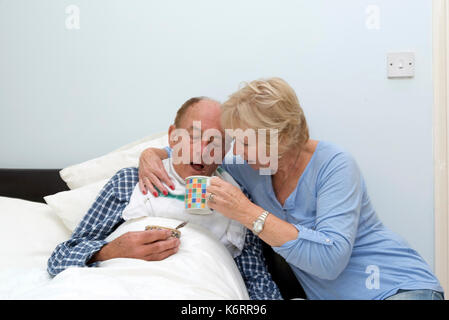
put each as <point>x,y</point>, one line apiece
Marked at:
<point>201,269</point>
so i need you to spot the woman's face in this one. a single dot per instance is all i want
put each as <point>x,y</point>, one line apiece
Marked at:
<point>252,147</point>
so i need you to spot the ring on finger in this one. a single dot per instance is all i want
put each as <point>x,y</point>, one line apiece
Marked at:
<point>211,197</point>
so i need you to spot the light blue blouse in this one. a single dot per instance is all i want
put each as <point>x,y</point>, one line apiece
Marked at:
<point>343,251</point>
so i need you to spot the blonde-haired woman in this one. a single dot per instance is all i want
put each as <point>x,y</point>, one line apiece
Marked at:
<point>313,209</point>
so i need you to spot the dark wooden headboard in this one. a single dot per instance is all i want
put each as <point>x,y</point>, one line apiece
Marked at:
<point>30,184</point>
<point>35,184</point>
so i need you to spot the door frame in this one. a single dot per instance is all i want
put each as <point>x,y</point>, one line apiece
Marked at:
<point>440,20</point>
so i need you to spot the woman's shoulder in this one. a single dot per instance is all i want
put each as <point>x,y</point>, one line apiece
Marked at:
<point>330,158</point>
<point>328,152</point>
<point>325,147</point>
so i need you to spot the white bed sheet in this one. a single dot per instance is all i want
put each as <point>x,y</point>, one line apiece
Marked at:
<point>201,269</point>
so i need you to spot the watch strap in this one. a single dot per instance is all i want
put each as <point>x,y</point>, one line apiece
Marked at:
<point>262,219</point>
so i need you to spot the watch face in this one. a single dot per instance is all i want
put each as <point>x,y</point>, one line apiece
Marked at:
<point>258,225</point>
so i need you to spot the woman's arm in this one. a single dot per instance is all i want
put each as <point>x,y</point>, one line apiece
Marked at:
<point>323,251</point>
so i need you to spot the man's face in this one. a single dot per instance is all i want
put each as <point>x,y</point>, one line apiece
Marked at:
<point>202,123</point>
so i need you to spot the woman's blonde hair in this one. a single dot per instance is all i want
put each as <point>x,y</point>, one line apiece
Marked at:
<point>267,104</point>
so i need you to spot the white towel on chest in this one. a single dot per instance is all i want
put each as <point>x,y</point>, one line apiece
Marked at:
<point>229,232</point>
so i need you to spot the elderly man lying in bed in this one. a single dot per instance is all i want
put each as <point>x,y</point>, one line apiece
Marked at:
<point>121,200</point>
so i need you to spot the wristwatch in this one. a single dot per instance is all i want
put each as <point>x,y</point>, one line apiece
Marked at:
<point>259,223</point>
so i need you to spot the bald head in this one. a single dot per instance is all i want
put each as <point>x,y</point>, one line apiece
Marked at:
<point>204,104</point>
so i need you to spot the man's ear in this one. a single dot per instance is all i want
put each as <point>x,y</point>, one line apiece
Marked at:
<point>171,140</point>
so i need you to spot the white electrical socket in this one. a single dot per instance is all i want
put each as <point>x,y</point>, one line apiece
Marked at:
<point>401,64</point>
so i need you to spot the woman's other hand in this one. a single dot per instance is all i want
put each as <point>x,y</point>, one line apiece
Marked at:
<point>152,172</point>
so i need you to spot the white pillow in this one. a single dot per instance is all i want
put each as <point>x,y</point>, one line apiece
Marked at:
<point>143,140</point>
<point>30,231</point>
<point>71,206</point>
<point>106,166</point>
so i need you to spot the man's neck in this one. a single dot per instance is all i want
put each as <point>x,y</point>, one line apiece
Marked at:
<point>176,172</point>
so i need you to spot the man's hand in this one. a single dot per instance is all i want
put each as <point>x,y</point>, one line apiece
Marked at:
<point>149,245</point>
<point>152,172</point>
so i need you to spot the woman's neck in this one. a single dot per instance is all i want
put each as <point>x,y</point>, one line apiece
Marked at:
<point>291,167</point>
<point>289,161</point>
<point>296,159</point>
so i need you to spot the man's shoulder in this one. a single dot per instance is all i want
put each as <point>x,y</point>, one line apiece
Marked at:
<point>123,183</point>
<point>126,175</point>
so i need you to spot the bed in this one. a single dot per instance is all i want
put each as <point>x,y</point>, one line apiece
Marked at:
<point>41,207</point>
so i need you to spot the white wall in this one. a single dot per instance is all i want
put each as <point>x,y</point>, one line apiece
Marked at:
<point>70,95</point>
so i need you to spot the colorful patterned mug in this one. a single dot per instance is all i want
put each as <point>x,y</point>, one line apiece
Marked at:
<point>195,200</point>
